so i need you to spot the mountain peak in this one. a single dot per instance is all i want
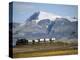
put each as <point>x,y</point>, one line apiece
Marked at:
<point>46,15</point>
<point>41,15</point>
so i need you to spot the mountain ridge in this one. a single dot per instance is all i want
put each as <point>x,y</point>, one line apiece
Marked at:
<point>39,24</point>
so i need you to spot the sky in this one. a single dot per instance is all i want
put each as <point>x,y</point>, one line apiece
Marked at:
<point>23,10</point>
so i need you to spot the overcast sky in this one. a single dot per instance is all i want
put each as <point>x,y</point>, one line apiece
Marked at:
<point>23,10</point>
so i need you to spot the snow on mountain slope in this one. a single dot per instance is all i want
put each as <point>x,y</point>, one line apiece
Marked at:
<point>45,15</point>
<point>63,28</point>
<point>44,22</point>
<point>40,15</point>
<point>46,25</point>
<point>71,18</point>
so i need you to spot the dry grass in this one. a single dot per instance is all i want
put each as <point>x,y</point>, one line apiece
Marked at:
<point>45,53</point>
<point>47,49</point>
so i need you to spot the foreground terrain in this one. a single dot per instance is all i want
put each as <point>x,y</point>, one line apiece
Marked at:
<point>47,49</point>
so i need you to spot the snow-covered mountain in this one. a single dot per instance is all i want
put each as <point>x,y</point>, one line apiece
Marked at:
<point>46,25</point>
<point>43,24</point>
<point>62,28</point>
<point>40,15</point>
